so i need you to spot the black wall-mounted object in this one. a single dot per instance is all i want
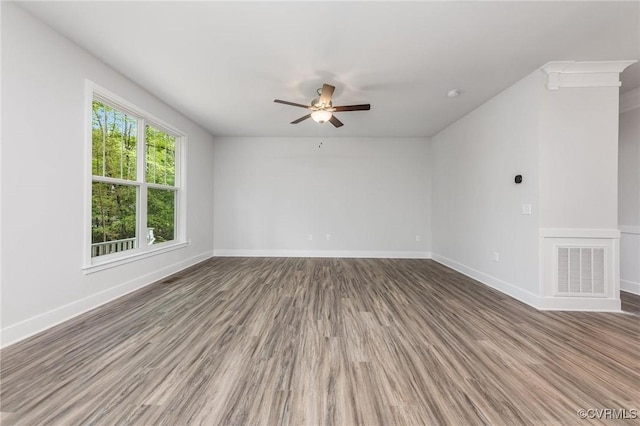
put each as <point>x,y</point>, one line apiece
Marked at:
<point>518,179</point>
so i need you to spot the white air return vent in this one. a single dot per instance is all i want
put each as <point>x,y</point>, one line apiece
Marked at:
<point>580,271</point>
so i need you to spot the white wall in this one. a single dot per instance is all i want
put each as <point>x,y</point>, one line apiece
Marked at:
<point>370,194</point>
<point>564,143</point>
<point>629,198</point>
<point>629,168</point>
<point>43,78</point>
<point>476,205</point>
<point>579,158</point>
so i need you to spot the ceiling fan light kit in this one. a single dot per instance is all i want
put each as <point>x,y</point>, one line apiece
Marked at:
<point>321,116</point>
<point>322,109</point>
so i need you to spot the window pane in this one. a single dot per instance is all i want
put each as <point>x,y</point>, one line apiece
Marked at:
<point>161,157</point>
<point>160,215</point>
<point>114,140</point>
<point>113,218</point>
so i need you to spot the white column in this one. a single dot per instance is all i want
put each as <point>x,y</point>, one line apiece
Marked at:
<point>578,161</point>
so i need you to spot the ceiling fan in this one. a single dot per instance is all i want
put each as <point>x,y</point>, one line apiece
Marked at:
<point>322,109</point>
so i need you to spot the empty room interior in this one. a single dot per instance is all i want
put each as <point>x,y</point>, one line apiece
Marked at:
<point>319,212</point>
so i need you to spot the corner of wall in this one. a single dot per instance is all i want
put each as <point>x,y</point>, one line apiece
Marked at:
<point>628,195</point>
<point>630,100</point>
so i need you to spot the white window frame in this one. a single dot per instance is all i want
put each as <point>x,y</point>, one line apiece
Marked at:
<point>94,264</point>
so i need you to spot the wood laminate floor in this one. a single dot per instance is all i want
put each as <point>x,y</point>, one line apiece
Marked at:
<point>630,302</point>
<point>322,341</point>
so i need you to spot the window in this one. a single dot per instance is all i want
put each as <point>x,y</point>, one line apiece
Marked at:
<point>136,191</point>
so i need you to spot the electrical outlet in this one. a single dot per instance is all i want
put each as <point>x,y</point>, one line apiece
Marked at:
<point>328,237</point>
<point>495,257</point>
<point>417,237</point>
<point>310,237</point>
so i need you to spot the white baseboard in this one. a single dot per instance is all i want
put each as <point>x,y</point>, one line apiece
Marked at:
<point>584,304</point>
<point>630,287</point>
<point>29,327</point>
<point>502,286</point>
<point>324,253</point>
<point>542,303</point>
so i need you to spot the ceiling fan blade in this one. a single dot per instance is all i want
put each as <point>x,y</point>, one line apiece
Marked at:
<point>327,92</point>
<point>278,101</point>
<point>301,119</point>
<point>334,120</point>
<point>363,107</point>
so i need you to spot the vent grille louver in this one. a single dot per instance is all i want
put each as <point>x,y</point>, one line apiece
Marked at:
<point>580,271</point>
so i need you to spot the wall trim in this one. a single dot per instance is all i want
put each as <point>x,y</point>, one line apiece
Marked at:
<point>630,100</point>
<point>628,229</point>
<point>493,282</point>
<point>34,325</point>
<point>599,304</point>
<point>630,287</point>
<point>595,304</point>
<point>323,253</point>
<point>584,74</point>
<point>607,240</point>
<point>579,233</point>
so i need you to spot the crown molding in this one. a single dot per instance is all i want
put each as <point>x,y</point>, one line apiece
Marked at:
<point>630,100</point>
<point>584,74</point>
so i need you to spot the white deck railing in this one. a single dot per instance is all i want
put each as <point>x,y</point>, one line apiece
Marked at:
<point>115,246</point>
<point>108,247</point>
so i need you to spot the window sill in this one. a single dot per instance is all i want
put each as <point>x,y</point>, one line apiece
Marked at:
<point>101,265</point>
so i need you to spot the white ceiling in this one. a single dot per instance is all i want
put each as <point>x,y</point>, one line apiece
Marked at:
<point>223,63</point>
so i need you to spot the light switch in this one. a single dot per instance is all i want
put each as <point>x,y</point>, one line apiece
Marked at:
<point>526,209</point>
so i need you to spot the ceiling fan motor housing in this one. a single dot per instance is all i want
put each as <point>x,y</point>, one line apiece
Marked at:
<point>316,104</point>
